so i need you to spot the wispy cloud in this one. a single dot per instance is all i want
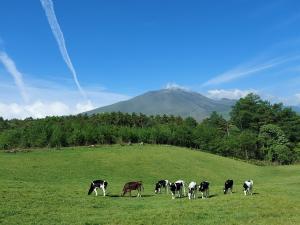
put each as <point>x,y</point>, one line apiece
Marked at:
<point>11,68</point>
<point>230,94</point>
<point>50,13</point>
<point>248,69</point>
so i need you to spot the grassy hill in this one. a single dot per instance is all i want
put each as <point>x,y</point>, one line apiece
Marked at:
<point>50,187</point>
<point>171,101</point>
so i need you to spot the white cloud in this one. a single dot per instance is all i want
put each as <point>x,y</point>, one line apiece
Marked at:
<point>11,68</point>
<point>51,99</point>
<point>175,86</point>
<point>83,107</point>
<point>41,109</point>
<point>297,98</point>
<point>37,109</point>
<point>230,94</point>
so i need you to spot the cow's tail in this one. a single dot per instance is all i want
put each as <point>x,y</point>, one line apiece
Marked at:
<point>91,188</point>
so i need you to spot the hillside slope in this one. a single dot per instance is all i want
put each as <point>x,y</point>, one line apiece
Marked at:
<point>170,101</point>
<point>50,187</point>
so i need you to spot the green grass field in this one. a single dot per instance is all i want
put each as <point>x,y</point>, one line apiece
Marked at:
<point>50,187</point>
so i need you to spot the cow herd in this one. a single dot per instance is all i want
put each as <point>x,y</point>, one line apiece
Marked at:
<point>177,188</point>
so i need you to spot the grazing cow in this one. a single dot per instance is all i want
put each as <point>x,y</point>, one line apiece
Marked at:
<point>192,190</point>
<point>162,184</point>
<point>133,185</point>
<point>204,189</point>
<point>98,184</point>
<point>248,187</point>
<point>228,186</point>
<point>176,187</point>
<point>183,185</point>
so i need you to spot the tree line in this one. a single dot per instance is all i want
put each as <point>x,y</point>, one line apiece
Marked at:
<point>256,130</point>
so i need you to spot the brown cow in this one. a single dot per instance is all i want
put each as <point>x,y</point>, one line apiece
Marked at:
<point>133,185</point>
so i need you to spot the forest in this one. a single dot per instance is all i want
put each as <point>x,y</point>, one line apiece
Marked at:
<point>256,130</point>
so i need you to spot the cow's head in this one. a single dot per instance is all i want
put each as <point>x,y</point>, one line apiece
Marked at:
<point>105,184</point>
<point>173,189</point>
<point>157,188</point>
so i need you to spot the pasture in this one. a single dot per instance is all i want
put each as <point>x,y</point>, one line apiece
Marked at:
<point>50,187</point>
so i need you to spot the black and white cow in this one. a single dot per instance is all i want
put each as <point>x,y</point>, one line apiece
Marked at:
<point>192,190</point>
<point>248,187</point>
<point>228,186</point>
<point>204,189</point>
<point>98,184</point>
<point>162,184</point>
<point>178,187</point>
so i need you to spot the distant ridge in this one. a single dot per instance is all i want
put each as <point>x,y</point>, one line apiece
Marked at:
<point>296,109</point>
<point>173,101</point>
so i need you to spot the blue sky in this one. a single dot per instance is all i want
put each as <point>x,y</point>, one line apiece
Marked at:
<point>120,49</point>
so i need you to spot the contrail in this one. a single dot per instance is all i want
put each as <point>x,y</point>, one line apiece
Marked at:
<point>11,68</point>
<point>49,10</point>
<point>246,70</point>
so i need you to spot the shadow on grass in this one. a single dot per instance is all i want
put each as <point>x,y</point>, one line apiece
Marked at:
<point>127,196</point>
<point>212,196</point>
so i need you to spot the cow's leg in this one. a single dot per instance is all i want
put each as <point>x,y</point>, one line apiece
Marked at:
<point>103,189</point>
<point>245,192</point>
<point>202,195</point>
<point>138,192</point>
<point>95,191</point>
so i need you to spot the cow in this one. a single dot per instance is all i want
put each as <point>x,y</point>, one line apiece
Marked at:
<point>98,184</point>
<point>192,190</point>
<point>133,185</point>
<point>162,184</point>
<point>228,186</point>
<point>248,187</point>
<point>183,185</point>
<point>204,189</point>
<point>176,187</point>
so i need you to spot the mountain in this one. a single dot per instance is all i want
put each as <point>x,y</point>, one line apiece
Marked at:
<point>296,109</point>
<point>177,102</point>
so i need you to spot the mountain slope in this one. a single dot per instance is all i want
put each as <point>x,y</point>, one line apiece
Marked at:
<point>51,188</point>
<point>170,101</point>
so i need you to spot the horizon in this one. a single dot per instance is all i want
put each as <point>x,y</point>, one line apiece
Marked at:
<point>61,58</point>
